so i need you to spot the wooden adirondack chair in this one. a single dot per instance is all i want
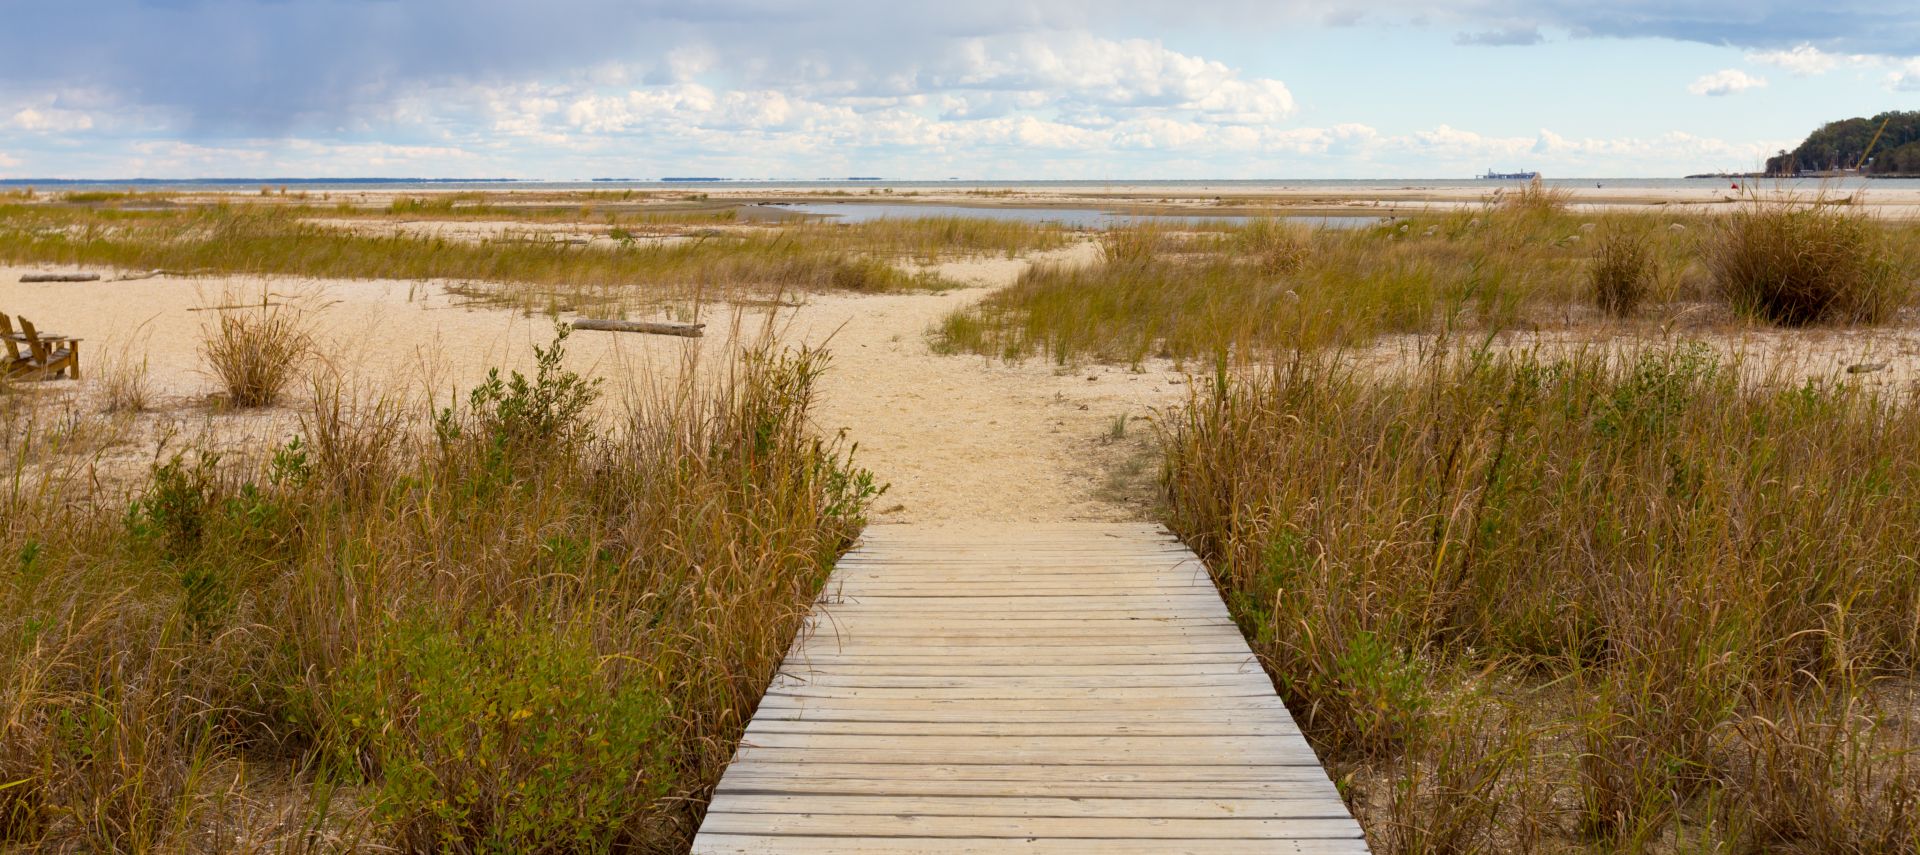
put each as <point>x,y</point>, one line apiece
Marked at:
<point>46,358</point>
<point>13,357</point>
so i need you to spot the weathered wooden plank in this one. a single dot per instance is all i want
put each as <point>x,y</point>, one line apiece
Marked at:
<point>1140,702</point>
<point>1081,624</point>
<point>1052,668</point>
<point>1284,754</point>
<point>1308,785</point>
<point>820,646</point>
<point>1054,827</point>
<point>1037,584</point>
<point>805,659</point>
<point>1062,775</point>
<point>1148,607</point>
<point>1316,806</point>
<point>799,682</point>
<point>1225,749</point>
<point>1216,727</point>
<point>735,844</point>
<point>969,713</point>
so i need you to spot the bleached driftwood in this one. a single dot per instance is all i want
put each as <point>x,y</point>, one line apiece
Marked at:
<point>651,327</point>
<point>59,277</point>
<point>150,274</point>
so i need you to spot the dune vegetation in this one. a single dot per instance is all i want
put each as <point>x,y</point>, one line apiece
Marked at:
<point>1621,600</point>
<point>486,629</point>
<point>1638,596</point>
<point>520,267</point>
<point>1268,287</point>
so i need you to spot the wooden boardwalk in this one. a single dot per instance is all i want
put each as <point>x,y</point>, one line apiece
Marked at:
<point>1057,688</point>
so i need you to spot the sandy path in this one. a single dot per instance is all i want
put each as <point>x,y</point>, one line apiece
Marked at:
<point>968,439</point>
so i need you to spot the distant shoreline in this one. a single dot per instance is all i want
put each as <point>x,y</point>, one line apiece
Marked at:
<point>869,180</point>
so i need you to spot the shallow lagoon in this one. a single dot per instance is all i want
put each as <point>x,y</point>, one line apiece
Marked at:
<point>1086,218</point>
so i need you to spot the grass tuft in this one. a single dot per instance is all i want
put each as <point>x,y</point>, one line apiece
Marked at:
<point>1797,264</point>
<point>1623,272</point>
<point>256,353</point>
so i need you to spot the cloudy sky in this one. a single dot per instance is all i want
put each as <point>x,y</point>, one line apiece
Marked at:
<point>905,89</point>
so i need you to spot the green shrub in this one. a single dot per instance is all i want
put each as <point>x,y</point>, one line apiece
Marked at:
<point>178,503</point>
<point>544,415</point>
<point>501,736</point>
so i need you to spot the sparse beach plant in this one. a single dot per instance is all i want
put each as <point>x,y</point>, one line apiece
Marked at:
<point>1133,244</point>
<point>497,737</point>
<point>256,352</point>
<point>350,438</point>
<point>1537,199</point>
<point>1274,246</point>
<point>1622,273</point>
<point>125,386</point>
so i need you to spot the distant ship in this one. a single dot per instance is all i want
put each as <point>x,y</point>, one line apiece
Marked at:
<point>1509,176</point>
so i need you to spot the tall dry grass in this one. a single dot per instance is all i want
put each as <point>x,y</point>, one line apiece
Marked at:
<point>256,353</point>
<point>1623,271</point>
<point>1186,294</point>
<point>487,630</point>
<point>1522,262</point>
<point>1676,594</point>
<point>1799,262</point>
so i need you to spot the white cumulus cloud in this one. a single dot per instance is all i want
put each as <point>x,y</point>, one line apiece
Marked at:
<point>1726,81</point>
<point>1905,77</point>
<point>1805,60</point>
<point>51,120</point>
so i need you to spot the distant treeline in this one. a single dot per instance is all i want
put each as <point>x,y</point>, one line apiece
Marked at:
<point>1839,145</point>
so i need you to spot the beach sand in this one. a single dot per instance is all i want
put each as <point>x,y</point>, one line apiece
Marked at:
<point>958,438</point>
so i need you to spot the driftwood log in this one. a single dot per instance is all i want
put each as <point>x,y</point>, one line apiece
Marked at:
<point>59,277</point>
<point>652,327</point>
<point>150,274</point>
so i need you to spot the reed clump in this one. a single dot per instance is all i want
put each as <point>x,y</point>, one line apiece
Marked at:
<point>125,386</point>
<point>1537,199</point>
<point>487,630</point>
<point>256,353</point>
<point>1623,272</point>
<point>1797,263</point>
<point>1688,583</point>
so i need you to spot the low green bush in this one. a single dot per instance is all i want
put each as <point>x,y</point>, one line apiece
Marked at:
<point>501,736</point>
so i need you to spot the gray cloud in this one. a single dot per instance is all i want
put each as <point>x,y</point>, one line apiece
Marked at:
<point>1847,26</point>
<point>1506,37</point>
<point>225,67</point>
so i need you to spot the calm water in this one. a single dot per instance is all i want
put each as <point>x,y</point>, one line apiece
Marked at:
<point>1084,218</point>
